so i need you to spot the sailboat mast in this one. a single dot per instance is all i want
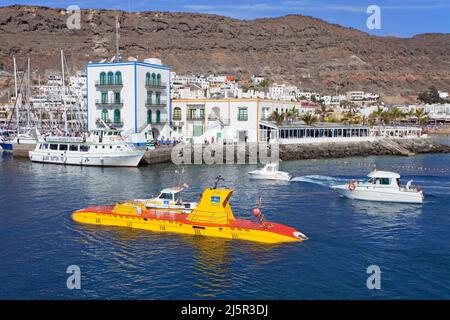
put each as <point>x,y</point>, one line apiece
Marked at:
<point>29,91</point>
<point>64,91</point>
<point>16,93</point>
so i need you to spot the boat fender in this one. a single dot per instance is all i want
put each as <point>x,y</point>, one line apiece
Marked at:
<point>352,185</point>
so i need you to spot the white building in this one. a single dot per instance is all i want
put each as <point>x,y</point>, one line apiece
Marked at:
<point>225,120</point>
<point>132,96</point>
<point>257,79</point>
<point>443,95</point>
<point>355,95</point>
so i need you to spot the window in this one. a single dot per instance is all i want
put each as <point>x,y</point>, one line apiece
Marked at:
<point>149,97</point>
<point>117,116</point>
<point>158,80</point>
<point>147,78</point>
<point>102,78</point>
<point>53,147</point>
<point>117,97</point>
<point>110,78</point>
<point>105,115</point>
<point>149,116</point>
<point>177,114</point>
<point>158,116</point>
<point>243,114</point>
<point>63,147</point>
<point>166,196</point>
<point>385,181</point>
<point>104,97</point>
<point>118,77</point>
<point>73,147</point>
<point>158,97</point>
<point>84,148</point>
<point>153,79</point>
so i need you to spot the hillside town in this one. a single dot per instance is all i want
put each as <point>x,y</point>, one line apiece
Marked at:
<point>198,108</point>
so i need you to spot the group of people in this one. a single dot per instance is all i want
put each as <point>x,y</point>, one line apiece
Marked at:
<point>165,142</point>
<point>209,141</point>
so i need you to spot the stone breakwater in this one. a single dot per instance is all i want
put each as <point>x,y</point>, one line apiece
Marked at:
<point>361,149</point>
<point>249,153</point>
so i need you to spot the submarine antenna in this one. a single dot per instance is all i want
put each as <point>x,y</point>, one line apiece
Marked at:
<point>218,179</point>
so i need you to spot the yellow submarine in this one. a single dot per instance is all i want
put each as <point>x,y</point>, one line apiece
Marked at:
<point>212,217</point>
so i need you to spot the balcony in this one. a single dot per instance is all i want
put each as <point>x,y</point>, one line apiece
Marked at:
<point>111,124</point>
<point>160,104</point>
<point>222,121</point>
<point>155,85</point>
<point>193,117</point>
<point>108,86</point>
<point>111,104</point>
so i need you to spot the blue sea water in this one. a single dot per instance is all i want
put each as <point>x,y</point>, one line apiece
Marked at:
<point>410,243</point>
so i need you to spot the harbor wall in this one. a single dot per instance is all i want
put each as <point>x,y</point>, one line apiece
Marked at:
<point>402,147</point>
<point>304,151</point>
<point>285,152</point>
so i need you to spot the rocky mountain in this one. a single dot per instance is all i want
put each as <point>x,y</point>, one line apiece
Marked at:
<point>301,50</point>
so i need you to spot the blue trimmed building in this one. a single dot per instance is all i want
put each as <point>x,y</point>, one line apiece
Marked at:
<point>131,96</point>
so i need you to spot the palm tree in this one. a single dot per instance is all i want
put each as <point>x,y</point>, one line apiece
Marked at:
<point>410,115</point>
<point>309,118</point>
<point>396,115</point>
<point>422,116</point>
<point>324,111</point>
<point>292,114</point>
<point>376,116</point>
<point>278,117</point>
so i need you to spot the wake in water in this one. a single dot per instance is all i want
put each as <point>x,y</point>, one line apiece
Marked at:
<point>325,181</point>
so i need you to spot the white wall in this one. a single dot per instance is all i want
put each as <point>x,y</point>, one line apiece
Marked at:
<point>127,93</point>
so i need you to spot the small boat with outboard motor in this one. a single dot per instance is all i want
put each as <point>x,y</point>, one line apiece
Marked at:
<point>169,198</point>
<point>105,148</point>
<point>270,172</point>
<point>381,186</point>
<point>212,217</point>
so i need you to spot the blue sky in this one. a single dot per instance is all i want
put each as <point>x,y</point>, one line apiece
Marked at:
<point>402,18</point>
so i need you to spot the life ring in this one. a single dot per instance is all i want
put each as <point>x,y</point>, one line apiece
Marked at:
<point>352,185</point>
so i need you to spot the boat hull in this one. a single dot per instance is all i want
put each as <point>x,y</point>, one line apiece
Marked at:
<point>259,176</point>
<point>6,146</point>
<point>388,195</point>
<point>177,223</point>
<point>128,159</point>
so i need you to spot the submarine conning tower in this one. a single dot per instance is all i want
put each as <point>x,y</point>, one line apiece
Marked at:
<point>213,207</point>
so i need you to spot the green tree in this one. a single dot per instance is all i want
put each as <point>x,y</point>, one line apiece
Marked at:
<point>430,96</point>
<point>292,114</point>
<point>264,84</point>
<point>278,117</point>
<point>323,112</point>
<point>309,118</point>
<point>421,116</point>
<point>396,115</point>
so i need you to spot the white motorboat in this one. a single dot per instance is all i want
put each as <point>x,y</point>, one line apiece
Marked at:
<point>169,198</point>
<point>270,172</point>
<point>381,186</point>
<point>104,148</point>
